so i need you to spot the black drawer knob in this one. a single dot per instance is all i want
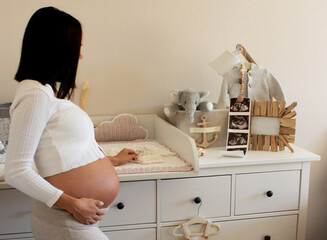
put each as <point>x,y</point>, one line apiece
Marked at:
<point>197,200</point>
<point>267,237</point>
<point>120,206</point>
<point>270,193</point>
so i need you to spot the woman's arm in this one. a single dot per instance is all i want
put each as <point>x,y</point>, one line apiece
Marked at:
<point>30,113</point>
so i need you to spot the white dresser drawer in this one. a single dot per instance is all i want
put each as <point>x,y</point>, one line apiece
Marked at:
<point>135,203</point>
<point>137,234</point>
<point>274,228</point>
<point>267,192</point>
<point>15,208</point>
<point>178,197</point>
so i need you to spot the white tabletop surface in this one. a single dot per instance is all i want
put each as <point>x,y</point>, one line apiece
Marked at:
<point>213,159</point>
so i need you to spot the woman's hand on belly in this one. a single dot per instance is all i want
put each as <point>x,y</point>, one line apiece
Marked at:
<point>84,210</point>
<point>87,210</point>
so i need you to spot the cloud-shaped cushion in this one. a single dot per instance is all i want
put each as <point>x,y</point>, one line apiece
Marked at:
<point>123,127</point>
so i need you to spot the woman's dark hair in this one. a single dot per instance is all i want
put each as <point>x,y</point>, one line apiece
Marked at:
<point>51,50</point>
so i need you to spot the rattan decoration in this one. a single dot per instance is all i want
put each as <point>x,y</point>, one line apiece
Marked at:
<point>286,135</point>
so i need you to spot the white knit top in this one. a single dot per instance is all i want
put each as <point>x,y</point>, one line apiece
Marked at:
<point>54,133</point>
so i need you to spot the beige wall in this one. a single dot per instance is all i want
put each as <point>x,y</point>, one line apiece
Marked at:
<point>136,51</point>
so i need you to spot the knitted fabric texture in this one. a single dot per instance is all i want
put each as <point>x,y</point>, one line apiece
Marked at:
<point>123,127</point>
<point>147,154</point>
<point>259,84</point>
<point>2,167</point>
<point>153,157</point>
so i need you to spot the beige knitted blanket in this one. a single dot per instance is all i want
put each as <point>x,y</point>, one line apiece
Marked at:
<point>153,157</point>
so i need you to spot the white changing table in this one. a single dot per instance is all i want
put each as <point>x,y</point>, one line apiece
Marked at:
<point>260,197</point>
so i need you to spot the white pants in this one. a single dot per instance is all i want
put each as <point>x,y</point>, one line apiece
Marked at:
<point>58,224</point>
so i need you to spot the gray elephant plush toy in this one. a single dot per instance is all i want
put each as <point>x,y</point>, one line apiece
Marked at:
<point>189,100</point>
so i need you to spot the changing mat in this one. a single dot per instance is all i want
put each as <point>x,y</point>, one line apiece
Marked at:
<point>153,157</point>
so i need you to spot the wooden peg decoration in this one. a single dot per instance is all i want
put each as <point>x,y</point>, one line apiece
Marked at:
<point>287,126</point>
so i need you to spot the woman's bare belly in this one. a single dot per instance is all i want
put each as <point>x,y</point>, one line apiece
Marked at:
<point>97,180</point>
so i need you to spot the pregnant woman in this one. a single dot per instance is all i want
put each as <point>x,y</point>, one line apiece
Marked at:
<point>76,182</point>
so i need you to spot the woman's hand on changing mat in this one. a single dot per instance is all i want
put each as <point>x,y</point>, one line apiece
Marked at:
<point>123,157</point>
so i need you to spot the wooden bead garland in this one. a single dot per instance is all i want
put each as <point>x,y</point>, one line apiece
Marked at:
<point>240,98</point>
